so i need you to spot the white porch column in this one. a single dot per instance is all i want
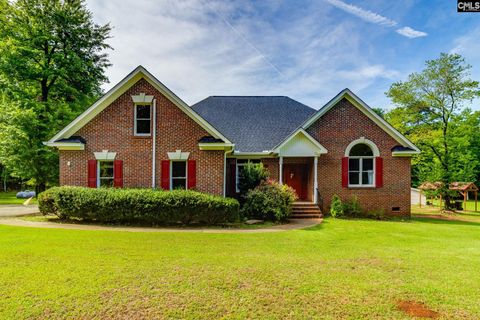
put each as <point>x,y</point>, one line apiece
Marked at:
<point>280,170</point>
<point>315,179</point>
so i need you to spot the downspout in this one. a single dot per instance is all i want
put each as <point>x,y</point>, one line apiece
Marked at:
<point>225,171</point>
<point>154,142</point>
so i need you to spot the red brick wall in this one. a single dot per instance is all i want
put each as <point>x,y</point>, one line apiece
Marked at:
<point>335,130</point>
<point>112,130</point>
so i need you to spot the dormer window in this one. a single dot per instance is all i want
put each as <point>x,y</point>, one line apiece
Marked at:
<point>143,119</point>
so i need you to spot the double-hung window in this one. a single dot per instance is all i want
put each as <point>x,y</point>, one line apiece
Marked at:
<point>361,171</point>
<point>143,119</point>
<point>178,175</point>
<point>105,174</point>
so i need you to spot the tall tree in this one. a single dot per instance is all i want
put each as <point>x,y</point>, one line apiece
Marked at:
<point>52,64</point>
<point>429,106</point>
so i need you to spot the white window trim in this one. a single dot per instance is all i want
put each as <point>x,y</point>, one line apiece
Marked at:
<point>135,120</point>
<point>362,140</point>
<point>98,171</point>
<point>171,173</point>
<point>360,171</point>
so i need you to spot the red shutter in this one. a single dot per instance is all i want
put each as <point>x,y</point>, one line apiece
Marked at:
<point>345,172</point>
<point>191,174</point>
<point>92,173</point>
<point>378,172</point>
<point>165,175</point>
<point>118,173</point>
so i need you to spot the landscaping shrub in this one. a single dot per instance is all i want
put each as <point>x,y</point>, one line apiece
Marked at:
<point>336,207</point>
<point>251,176</point>
<point>351,208</point>
<point>138,205</point>
<point>269,201</point>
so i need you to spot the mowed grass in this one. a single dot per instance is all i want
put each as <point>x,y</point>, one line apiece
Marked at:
<point>340,269</point>
<point>11,198</point>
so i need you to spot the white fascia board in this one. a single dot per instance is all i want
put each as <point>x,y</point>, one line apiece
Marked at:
<point>252,155</point>
<point>215,146</point>
<point>118,90</point>
<point>363,107</point>
<point>321,149</point>
<point>66,145</point>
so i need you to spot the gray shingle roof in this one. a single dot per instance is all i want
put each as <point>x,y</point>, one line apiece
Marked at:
<point>253,123</point>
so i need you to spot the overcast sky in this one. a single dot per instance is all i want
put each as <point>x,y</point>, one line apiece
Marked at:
<point>308,50</point>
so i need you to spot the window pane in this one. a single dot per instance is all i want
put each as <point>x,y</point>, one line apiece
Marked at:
<point>179,183</point>
<point>353,177</point>
<point>179,169</point>
<point>106,169</point>
<point>107,183</point>
<point>367,177</point>
<point>354,164</point>
<point>367,164</point>
<point>143,112</point>
<point>143,126</point>
<point>360,150</point>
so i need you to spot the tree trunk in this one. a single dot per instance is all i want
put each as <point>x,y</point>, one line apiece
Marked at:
<point>40,187</point>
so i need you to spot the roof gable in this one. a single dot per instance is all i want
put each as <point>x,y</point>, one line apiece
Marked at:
<point>300,144</point>
<point>254,123</point>
<point>365,109</point>
<point>120,88</point>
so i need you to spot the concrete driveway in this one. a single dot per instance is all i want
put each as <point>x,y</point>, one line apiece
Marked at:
<point>15,210</point>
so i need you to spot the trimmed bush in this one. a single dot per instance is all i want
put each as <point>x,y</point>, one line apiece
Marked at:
<point>336,207</point>
<point>138,205</point>
<point>269,201</point>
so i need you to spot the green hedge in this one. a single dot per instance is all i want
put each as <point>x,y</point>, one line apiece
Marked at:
<point>269,201</point>
<point>138,205</point>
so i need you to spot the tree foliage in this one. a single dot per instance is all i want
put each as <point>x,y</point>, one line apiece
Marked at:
<point>52,63</point>
<point>431,112</point>
<point>251,176</point>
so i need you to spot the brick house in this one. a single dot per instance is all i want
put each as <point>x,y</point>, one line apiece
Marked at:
<point>140,134</point>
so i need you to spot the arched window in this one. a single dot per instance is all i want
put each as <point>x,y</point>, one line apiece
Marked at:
<point>361,166</point>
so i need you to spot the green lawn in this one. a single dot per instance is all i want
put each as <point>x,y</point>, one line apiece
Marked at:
<point>10,198</point>
<point>341,269</point>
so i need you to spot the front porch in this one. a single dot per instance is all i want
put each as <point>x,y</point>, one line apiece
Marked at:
<point>300,173</point>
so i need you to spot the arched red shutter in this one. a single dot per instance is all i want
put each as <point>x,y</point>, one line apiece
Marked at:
<point>345,172</point>
<point>118,173</point>
<point>92,173</point>
<point>378,172</point>
<point>165,175</point>
<point>191,174</point>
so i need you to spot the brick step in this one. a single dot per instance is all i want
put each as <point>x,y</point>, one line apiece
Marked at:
<point>306,216</point>
<point>306,211</point>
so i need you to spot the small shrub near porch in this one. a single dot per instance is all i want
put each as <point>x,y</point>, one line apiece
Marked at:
<point>269,201</point>
<point>138,205</point>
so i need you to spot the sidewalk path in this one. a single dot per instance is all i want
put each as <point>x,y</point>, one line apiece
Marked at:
<point>15,210</point>
<point>293,225</point>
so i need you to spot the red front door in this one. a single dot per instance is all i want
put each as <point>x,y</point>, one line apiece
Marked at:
<point>295,175</point>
